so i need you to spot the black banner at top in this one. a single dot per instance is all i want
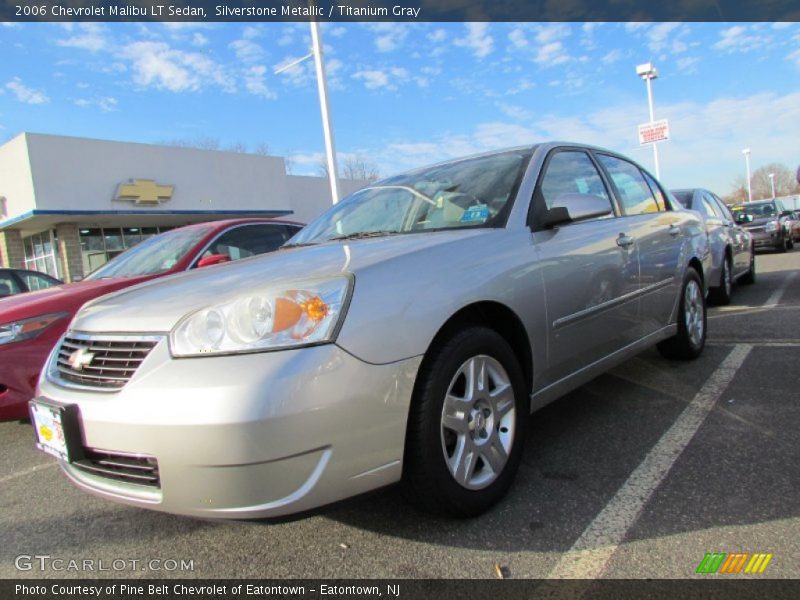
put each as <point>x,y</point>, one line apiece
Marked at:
<point>400,10</point>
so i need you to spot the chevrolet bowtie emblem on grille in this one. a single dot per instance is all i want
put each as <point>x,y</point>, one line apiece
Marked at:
<point>80,358</point>
<point>144,191</point>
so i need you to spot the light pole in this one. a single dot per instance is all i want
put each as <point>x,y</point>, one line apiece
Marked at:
<point>772,184</point>
<point>322,88</point>
<point>746,153</point>
<point>648,72</point>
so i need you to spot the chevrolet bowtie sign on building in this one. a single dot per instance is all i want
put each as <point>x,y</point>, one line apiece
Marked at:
<point>144,191</point>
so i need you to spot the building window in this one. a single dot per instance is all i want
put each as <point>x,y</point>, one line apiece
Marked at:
<point>41,253</point>
<point>99,245</point>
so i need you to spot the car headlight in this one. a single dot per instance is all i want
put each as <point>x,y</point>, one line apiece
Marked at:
<point>269,318</point>
<point>772,226</point>
<point>27,329</point>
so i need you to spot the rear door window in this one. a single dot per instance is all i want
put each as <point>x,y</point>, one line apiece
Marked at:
<point>8,285</point>
<point>634,193</point>
<point>249,240</point>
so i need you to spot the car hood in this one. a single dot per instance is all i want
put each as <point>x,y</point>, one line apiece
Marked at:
<point>67,297</point>
<point>158,305</point>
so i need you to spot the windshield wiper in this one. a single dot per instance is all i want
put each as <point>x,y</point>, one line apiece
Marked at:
<point>358,235</point>
<point>297,245</point>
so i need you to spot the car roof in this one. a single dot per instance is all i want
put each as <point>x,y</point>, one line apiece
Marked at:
<point>225,223</point>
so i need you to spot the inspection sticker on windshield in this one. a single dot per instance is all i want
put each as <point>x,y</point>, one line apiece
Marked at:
<point>475,214</point>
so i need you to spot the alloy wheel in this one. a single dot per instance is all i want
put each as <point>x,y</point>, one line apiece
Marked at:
<point>693,311</point>
<point>478,422</point>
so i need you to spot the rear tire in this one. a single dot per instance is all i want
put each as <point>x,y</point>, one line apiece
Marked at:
<point>466,426</point>
<point>688,343</point>
<point>722,295</point>
<point>749,278</point>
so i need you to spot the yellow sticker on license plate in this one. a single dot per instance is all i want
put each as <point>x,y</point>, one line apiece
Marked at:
<point>49,427</point>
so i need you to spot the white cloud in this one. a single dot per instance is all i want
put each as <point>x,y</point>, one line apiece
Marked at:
<point>247,50</point>
<point>518,38</point>
<point>198,39</point>
<point>106,103</point>
<point>613,56</point>
<point>477,39</point>
<point>91,37</point>
<point>388,36</point>
<point>255,82</point>
<point>741,39</point>
<point>552,54</point>
<point>437,36</point>
<point>25,94</point>
<point>156,64</point>
<point>513,111</point>
<point>372,78</point>
<point>688,64</point>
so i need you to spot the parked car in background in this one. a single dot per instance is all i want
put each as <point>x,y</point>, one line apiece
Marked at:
<point>768,222</point>
<point>795,226</point>
<point>406,334</point>
<point>19,281</point>
<point>733,257</point>
<point>31,324</point>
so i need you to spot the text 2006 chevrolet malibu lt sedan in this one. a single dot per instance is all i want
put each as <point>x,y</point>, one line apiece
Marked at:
<point>406,334</point>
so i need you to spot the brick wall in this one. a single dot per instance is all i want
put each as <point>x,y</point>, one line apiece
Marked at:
<point>12,252</point>
<point>69,251</point>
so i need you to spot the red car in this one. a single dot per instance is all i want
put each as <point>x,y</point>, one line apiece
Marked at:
<point>32,323</point>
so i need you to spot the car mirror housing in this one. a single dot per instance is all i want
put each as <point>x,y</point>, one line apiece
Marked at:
<point>213,259</point>
<point>569,208</point>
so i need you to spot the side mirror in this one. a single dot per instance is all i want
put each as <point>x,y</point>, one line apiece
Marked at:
<point>213,259</point>
<point>569,208</point>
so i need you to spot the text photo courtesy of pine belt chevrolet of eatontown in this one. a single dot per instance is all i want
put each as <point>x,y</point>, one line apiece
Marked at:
<point>398,296</point>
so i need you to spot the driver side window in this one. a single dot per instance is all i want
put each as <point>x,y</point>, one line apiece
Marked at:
<point>571,172</point>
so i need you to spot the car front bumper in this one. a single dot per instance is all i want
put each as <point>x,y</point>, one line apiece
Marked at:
<point>248,436</point>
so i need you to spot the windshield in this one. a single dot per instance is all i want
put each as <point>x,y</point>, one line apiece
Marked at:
<point>760,209</point>
<point>469,193</point>
<point>155,255</point>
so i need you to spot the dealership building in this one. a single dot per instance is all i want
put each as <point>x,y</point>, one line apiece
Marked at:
<point>68,205</point>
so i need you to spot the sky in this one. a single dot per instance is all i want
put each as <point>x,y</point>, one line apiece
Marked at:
<point>409,94</point>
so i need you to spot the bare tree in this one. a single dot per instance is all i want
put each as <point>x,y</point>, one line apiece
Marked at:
<point>359,167</point>
<point>239,147</point>
<point>785,183</point>
<point>262,148</point>
<point>738,193</point>
<point>289,163</point>
<point>356,167</point>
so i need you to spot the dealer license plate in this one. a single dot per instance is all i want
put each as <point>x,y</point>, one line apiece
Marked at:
<point>55,426</point>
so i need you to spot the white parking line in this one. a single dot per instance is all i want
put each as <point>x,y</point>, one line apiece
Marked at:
<point>776,296</point>
<point>592,551</point>
<point>42,467</point>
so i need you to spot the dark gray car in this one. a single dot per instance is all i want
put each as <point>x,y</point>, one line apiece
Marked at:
<point>731,246</point>
<point>768,221</point>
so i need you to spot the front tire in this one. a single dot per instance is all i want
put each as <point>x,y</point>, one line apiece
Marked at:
<point>688,343</point>
<point>467,425</point>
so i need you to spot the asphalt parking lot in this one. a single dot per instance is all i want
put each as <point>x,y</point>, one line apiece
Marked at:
<point>638,474</point>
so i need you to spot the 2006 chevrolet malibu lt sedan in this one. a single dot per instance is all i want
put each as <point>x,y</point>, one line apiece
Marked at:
<point>404,335</point>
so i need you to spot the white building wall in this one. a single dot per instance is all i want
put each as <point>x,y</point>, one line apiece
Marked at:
<point>16,182</point>
<point>83,174</point>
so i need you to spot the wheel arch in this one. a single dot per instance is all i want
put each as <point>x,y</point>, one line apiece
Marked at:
<point>500,318</point>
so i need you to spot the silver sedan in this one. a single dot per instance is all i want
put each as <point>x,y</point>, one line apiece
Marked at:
<point>732,253</point>
<point>405,335</point>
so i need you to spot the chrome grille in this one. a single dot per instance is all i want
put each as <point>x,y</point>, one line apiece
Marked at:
<point>130,468</point>
<point>108,362</point>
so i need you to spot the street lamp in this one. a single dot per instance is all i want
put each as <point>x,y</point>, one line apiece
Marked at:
<point>746,153</point>
<point>772,184</point>
<point>322,88</point>
<point>648,72</point>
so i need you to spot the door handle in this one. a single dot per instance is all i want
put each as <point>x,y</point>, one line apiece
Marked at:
<point>625,241</point>
<point>674,229</point>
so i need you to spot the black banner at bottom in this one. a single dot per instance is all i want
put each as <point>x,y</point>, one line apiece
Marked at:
<point>509,589</point>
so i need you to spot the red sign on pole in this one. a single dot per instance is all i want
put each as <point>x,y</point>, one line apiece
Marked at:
<point>650,133</point>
